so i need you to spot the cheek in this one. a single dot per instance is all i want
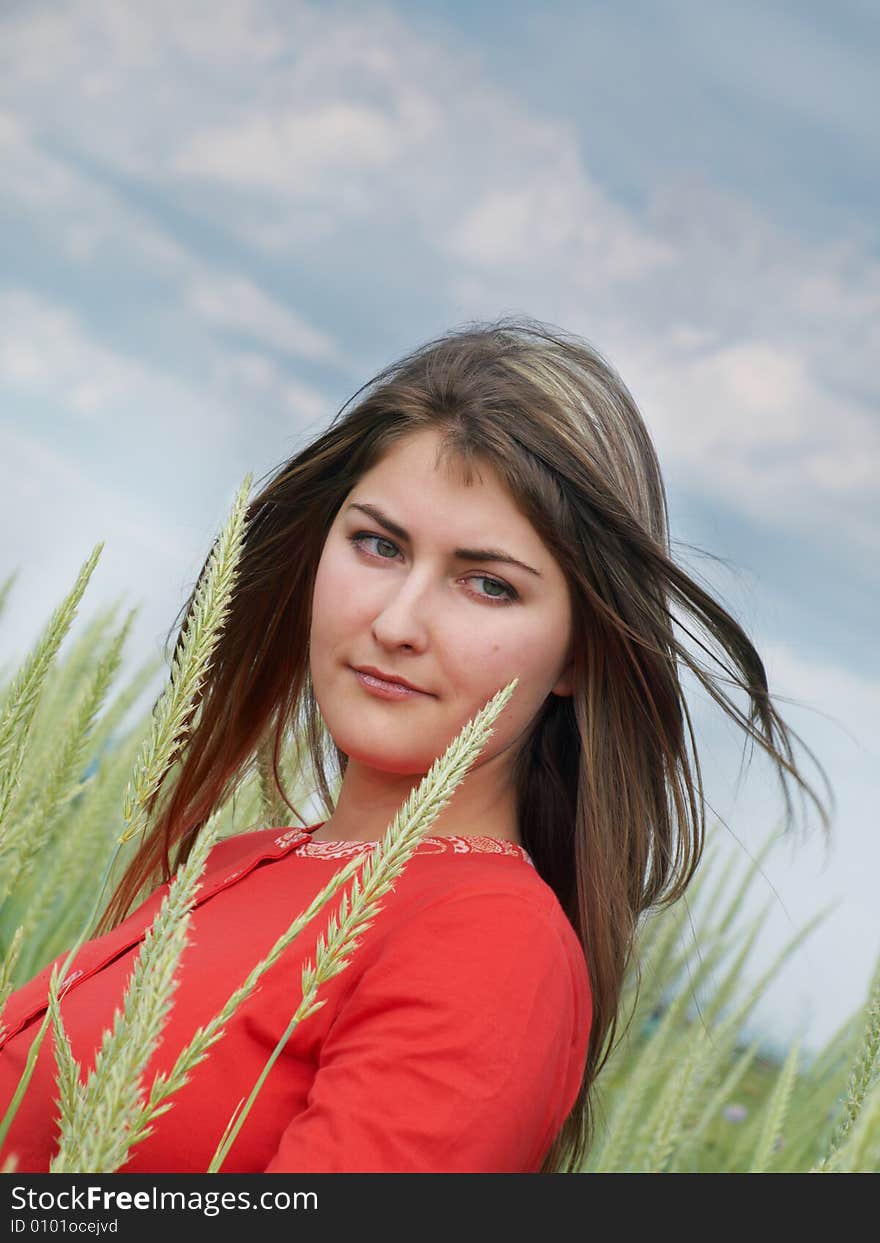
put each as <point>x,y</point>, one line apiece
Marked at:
<point>506,653</point>
<point>487,658</point>
<point>332,599</point>
<point>490,661</point>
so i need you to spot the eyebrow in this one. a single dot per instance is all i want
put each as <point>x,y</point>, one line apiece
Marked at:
<point>462,554</point>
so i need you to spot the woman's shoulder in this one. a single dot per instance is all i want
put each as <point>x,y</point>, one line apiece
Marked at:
<point>489,893</point>
<point>510,889</point>
<point>456,873</point>
<point>483,922</point>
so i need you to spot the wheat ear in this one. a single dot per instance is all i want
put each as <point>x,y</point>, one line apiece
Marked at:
<point>23,695</point>
<point>174,709</point>
<point>95,1130</point>
<point>862,1077</point>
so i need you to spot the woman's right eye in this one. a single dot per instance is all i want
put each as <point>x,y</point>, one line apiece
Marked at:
<point>359,538</point>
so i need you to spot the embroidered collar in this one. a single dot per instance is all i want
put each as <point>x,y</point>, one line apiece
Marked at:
<point>300,840</point>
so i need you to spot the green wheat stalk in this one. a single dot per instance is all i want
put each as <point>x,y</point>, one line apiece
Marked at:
<point>862,1144</point>
<point>61,688</point>
<point>635,1080</point>
<point>718,1097</point>
<point>94,1123</point>
<point>862,1077</point>
<point>273,809</point>
<point>777,1107</point>
<point>23,695</point>
<point>36,1043</point>
<point>169,720</point>
<point>56,903</point>
<point>6,587</point>
<point>173,711</point>
<point>61,781</point>
<point>666,1121</point>
<point>631,1095</point>
<point>164,1085</point>
<point>736,900</point>
<point>7,967</point>
<point>71,1096</point>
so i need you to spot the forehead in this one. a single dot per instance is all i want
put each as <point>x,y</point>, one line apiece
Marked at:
<point>423,459</point>
<point>429,492</point>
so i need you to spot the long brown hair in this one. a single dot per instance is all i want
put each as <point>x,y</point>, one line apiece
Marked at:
<point>610,803</point>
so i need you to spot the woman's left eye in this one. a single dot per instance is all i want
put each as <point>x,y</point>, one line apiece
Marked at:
<point>509,593</point>
<point>507,598</point>
<point>358,539</point>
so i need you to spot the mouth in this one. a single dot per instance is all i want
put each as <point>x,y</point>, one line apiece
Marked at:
<point>385,688</point>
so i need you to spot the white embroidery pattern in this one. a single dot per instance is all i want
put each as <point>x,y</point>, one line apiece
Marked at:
<point>288,837</point>
<point>427,846</point>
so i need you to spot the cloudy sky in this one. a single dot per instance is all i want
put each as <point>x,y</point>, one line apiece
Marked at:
<point>220,218</point>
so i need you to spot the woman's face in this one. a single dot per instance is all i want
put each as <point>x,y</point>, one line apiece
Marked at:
<point>459,628</point>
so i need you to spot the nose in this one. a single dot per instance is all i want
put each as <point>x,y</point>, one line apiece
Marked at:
<point>402,622</point>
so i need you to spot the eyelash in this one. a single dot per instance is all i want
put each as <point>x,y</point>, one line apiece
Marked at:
<point>358,538</point>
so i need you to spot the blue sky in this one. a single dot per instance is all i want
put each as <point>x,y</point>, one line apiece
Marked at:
<point>219,219</point>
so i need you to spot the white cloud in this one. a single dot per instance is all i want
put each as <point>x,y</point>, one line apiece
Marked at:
<point>91,225</point>
<point>751,351</point>
<point>753,424</point>
<point>235,302</point>
<point>46,351</point>
<point>292,154</point>
<point>370,119</point>
<point>347,113</point>
<point>250,373</point>
<point>77,216</point>
<point>556,222</point>
<point>101,44</point>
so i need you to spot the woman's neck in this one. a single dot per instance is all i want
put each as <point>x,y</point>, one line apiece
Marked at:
<point>368,803</point>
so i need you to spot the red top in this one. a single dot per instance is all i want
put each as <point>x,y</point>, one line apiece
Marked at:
<point>453,1041</point>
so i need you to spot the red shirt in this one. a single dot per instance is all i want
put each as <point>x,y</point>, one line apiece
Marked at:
<point>453,1041</point>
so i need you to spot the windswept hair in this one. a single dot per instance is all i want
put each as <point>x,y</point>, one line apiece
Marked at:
<point>610,802</point>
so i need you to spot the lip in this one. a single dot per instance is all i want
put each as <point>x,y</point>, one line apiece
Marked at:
<point>384,683</point>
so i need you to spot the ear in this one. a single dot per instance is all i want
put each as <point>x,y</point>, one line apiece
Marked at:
<point>566,680</point>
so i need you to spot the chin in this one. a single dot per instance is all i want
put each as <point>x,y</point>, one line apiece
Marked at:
<point>396,764</point>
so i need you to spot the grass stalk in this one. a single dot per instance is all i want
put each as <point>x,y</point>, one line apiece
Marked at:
<point>862,1077</point>
<point>95,1130</point>
<point>23,695</point>
<point>36,1043</point>
<point>777,1107</point>
<point>173,711</point>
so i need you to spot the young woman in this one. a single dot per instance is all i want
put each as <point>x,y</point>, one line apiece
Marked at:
<point>492,507</point>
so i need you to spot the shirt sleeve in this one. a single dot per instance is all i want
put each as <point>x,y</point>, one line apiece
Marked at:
<point>460,1048</point>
